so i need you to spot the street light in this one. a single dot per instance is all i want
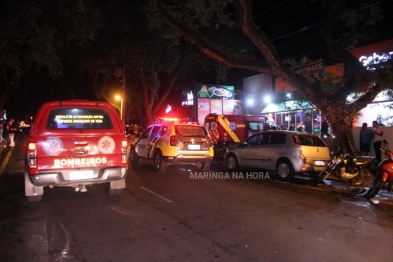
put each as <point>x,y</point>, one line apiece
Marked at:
<point>250,102</point>
<point>121,105</point>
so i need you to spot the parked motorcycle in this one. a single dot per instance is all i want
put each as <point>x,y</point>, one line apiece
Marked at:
<point>348,168</point>
<point>384,174</point>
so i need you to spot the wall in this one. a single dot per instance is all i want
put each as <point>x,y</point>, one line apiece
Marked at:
<point>387,134</point>
<point>256,88</point>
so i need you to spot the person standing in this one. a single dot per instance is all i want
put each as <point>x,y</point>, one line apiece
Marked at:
<point>1,132</point>
<point>325,129</point>
<point>365,137</point>
<point>378,134</point>
<point>11,131</point>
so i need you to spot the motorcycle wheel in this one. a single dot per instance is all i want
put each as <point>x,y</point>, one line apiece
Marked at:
<point>375,187</point>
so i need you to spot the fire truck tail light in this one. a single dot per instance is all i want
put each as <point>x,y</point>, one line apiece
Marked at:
<point>33,162</point>
<point>32,155</point>
<point>172,140</point>
<point>124,152</point>
<point>32,146</point>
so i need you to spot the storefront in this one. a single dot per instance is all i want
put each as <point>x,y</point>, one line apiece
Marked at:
<point>297,112</point>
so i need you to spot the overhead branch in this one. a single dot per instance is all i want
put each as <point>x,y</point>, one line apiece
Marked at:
<point>208,48</point>
<point>255,35</point>
<point>370,95</point>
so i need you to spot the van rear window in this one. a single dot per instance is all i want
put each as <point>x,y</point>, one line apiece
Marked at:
<point>80,118</point>
<point>190,130</point>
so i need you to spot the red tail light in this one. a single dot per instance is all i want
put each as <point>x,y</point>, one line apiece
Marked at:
<point>124,152</point>
<point>32,155</point>
<point>172,140</point>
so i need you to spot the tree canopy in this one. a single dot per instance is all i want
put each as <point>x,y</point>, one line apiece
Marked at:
<point>345,24</point>
<point>61,50</point>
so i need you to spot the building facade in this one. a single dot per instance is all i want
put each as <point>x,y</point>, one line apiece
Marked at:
<point>264,94</point>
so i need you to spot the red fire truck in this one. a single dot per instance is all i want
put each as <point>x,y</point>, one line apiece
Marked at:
<point>229,129</point>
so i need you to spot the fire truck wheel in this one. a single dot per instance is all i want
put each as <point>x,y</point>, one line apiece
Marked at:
<point>284,170</point>
<point>231,162</point>
<point>160,163</point>
<point>205,167</point>
<point>33,193</point>
<point>134,159</point>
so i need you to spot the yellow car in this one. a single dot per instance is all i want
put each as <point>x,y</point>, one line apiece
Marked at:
<point>170,143</point>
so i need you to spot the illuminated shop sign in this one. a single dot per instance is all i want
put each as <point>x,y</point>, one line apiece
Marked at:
<point>310,71</point>
<point>215,91</point>
<point>372,61</point>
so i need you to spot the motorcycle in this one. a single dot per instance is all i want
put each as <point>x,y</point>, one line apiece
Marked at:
<point>348,168</point>
<point>384,174</point>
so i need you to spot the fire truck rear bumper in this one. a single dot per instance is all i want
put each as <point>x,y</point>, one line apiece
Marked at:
<point>64,177</point>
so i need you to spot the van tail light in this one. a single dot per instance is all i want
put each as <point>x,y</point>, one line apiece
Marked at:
<point>32,155</point>
<point>124,152</point>
<point>172,140</point>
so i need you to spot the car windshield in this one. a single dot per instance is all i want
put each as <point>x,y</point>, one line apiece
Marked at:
<point>190,130</point>
<point>308,140</point>
<point>80,118</point>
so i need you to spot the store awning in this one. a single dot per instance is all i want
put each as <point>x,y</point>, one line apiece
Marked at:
<point>293,105</point>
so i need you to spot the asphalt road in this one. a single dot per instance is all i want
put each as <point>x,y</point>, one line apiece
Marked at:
<point>183,216</point>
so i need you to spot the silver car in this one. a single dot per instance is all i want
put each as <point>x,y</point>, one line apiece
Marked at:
<point>285,152</point>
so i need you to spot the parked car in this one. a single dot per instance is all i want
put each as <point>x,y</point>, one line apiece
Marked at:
<point>284,152</point>
<point>173,143</point>
<point>75,143</point>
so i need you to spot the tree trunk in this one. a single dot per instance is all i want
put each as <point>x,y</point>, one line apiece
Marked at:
<point>344,134</point>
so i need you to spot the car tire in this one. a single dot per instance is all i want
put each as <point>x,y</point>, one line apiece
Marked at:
<point>134,158</point>
<point>33,193</point>
<point>160,163</point>
<point>205,167</point>
<point>284,170</point>
<point>231,162</point>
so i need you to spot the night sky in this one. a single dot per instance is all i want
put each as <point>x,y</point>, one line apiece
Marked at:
<point>292,27</point>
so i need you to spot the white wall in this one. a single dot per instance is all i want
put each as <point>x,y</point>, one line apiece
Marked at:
<point>257,87</point>
<point>387,134</point>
